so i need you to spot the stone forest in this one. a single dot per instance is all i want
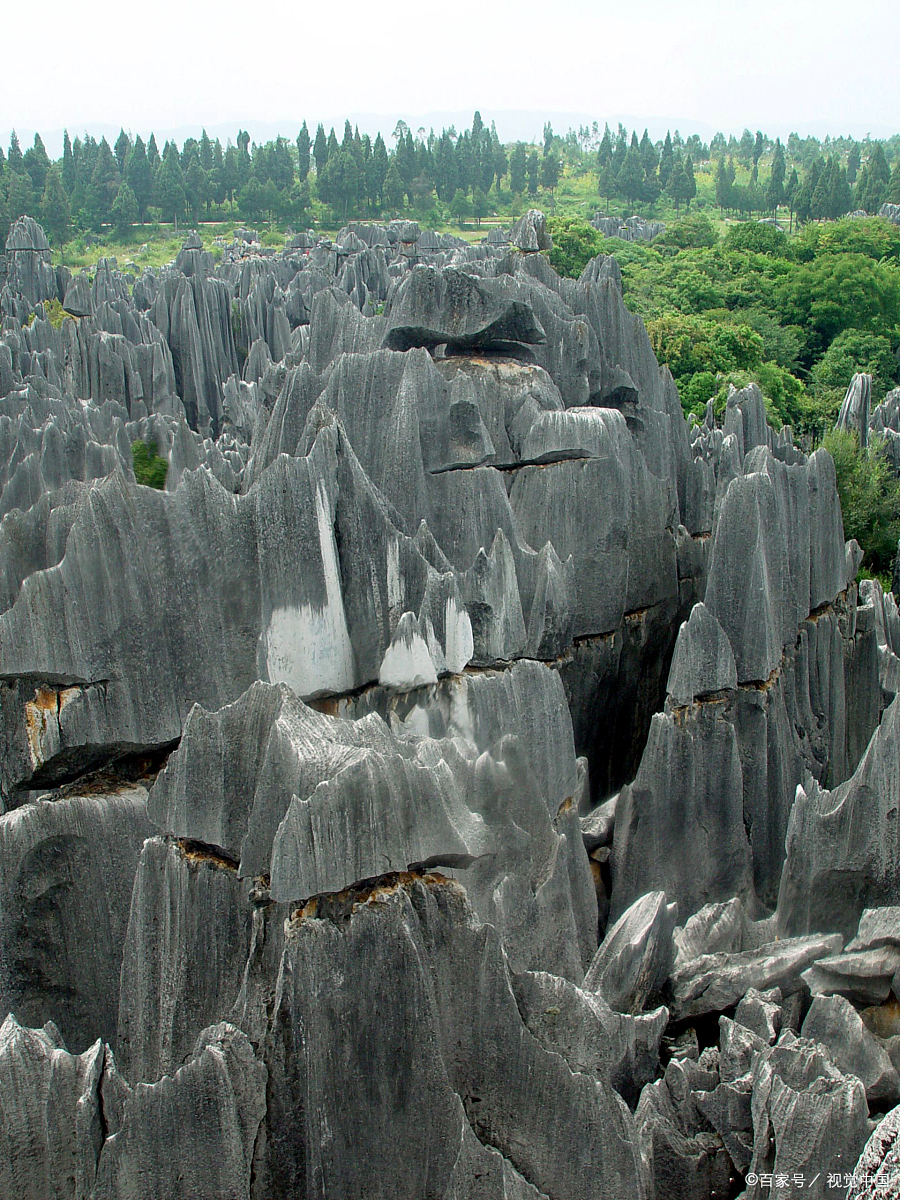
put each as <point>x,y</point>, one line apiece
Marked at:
<point>434,768</point>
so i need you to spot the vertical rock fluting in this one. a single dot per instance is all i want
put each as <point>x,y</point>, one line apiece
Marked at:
<point>294,825</point>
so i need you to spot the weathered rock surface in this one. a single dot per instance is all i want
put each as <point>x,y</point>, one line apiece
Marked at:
<point>876,1175</point>
<point>353,783</point>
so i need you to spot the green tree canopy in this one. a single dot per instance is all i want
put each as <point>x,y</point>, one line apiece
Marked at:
<point>55,208</point>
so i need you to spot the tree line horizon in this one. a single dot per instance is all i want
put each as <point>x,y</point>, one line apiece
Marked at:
<point>465,175</point>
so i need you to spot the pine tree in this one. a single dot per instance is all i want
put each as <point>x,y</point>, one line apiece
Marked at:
<point>534,170</point>
<point>621,149</point>
<point>460,206</point>
<point>723,187</point>
<point>803,202</point>
<point>37,164</point>
<point>518,168</point>
<point>14,157</point>
<point>606,184</point>
<point>690,184</point>
<point>649,157</point>
<point>103,186</point>
<point>139,176</point>
<point>499,162</point>
<point>677,186</point>
<point>380,167</point>
<point>666,161</point>
<point>153,153</point>
<point>604,150</point>
<point>55,208</point>
<point>121,150</point>
<point>775,188</point>
<point>392,192</point>
<point>550,172</point>
<point>125,210</point>
<point>819,206</point>
<point>170,188</point>
<point>206,152</point>
<point>303,147</point>
<point>68,164</point>
<point>21,198</point>
<point>790,195</point>
<point>853,163</point>
<point>631,176</point>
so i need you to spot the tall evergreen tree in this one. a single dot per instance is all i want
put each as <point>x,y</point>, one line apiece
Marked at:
<point>605,150</point>
<point>690,185</point>
<point>803,201</point>
<point>14,157</point>
<point>775,188</point>
<point>631,176</point>
<point>37,164</point>
<point>55,208</point>
<point>518,169</point>
<point>68,164</point>
<point>303,148</point>
<point>666,160</point>
<point>649,157</point>
<point>139,175</point>
<point>170,188</point>
<point>22,201</point>
<point>792,187</point>
<point>853,163</point>
<point>677,186</point>
<point>550,172</point>
<point>206,152</point>
<point>723,187</point>
<point>500,162</point>
<point>606,183</point>
<point>125,210</point>
<point>534,171</point>
<point>621,149</point>
<point>121,150</point>
<point>380,166</point>
<point>103,186</point>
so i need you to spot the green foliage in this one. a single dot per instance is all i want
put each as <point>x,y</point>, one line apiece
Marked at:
<point>575,243</point>
<point>55,208</point>
<point>55,313</point>
<point>835,292</point>
<point>688,343</point>
<point>149,468</point>
<point>757,237</point>
<point>870,498</point>
<point>855,350</point>
<point>874,237</point>
<point>692,232</point>
<point>124,210</point>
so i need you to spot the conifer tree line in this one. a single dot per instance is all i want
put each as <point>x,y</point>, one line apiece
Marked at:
<point>469,173</point>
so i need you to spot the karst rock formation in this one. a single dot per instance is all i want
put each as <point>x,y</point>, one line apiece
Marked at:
<point>464,780</point>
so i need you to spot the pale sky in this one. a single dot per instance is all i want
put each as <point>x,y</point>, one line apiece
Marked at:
<point>816,66</point>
